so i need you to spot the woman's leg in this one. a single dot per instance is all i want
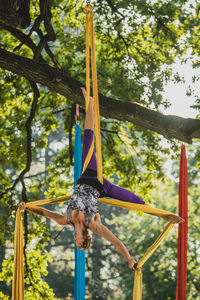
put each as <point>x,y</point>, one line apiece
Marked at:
<point>88,134</point>
<point>113,191</point>
<point>89,118</point>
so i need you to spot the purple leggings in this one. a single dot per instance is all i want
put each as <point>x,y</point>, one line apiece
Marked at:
<point>111,190</point>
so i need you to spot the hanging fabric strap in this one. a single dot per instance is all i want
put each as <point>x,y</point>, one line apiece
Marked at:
<point>18,269</point>
<point>79,276</point>
<point>137,290</point>
<point>183,228</point>
<point>18,281</point>
<point>18,276</point>
<point>90,44</point>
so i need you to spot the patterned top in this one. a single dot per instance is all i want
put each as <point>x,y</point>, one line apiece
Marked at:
<point>84,199</point>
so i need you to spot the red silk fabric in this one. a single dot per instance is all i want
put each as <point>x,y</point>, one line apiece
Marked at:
<point>183,228</point>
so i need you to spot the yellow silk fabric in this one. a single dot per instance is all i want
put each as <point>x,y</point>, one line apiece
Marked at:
<point>137,290</point>
<point>90,44</point>
<point>18,270</point>
<point>18,275</point>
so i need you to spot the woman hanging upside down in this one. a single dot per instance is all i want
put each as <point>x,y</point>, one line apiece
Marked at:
<point>82,210</point>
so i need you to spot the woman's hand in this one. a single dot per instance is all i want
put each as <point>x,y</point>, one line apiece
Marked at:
<point>22,206</point>
<point>133,264</point>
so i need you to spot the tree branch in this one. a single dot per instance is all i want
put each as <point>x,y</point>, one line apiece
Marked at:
<point>167,125</point>
<point>48,50</point>
<point>15,13</point>
<point>28,144</point>
<point>45,11</point>
<point>35,26</point>
<point>113,8</point>
<point>23,38</point>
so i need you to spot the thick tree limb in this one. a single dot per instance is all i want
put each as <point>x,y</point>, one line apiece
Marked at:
<point>169,126</point>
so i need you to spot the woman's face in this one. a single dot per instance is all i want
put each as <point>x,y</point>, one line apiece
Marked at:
<point>80,241</point>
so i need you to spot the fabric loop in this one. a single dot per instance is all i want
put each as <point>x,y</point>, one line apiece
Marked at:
<point>88,9</point>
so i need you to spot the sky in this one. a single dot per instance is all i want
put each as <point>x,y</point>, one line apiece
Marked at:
<point>176,93</point>
<point>180,102</point>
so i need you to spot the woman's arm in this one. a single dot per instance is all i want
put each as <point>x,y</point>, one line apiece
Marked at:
<point>109,236</point>
<point>60,219</point>
<point>121,248</point>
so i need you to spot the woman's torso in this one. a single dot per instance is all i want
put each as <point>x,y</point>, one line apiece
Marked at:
<point>84,199</point>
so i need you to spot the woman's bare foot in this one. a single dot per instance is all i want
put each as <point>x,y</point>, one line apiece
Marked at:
<point>84,94</point>
<point>173,218</point>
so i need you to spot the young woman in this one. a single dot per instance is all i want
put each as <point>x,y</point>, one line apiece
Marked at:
<point>82,209</point>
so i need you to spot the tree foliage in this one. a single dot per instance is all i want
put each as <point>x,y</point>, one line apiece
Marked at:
<point>42,60</point>
<point>159,272</point>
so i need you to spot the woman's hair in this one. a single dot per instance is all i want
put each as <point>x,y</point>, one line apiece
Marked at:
<point>86,237</point>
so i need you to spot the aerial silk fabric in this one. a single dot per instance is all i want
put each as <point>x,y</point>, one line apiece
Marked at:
<point>79,278</point>
<point>90,43</point>
<point>18,276</point>
<point>137,291</point>
<point>183,228</point>
<point>18,281</point>
<point>18,268</point>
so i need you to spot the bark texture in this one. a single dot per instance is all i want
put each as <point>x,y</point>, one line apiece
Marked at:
<point>15,13</point>
<point>167,125</point>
